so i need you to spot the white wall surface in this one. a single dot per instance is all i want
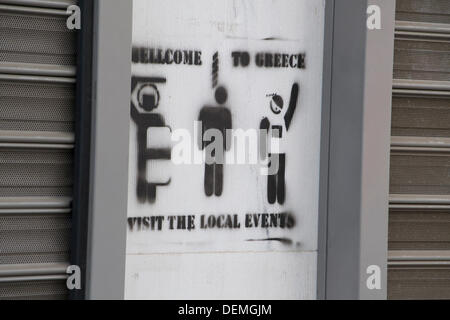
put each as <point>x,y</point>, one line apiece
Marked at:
<point>222,263</point>
<point>223,275</point>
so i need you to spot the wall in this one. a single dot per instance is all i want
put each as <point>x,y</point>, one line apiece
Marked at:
<point>245,257</point>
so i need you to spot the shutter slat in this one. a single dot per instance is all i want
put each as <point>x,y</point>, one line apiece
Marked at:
<point>37,106</point>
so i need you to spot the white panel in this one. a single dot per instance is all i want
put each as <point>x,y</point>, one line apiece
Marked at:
<point>159,253</point>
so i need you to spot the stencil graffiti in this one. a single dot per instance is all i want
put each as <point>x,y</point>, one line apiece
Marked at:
<point>145,99</point>
<point>215,72</point>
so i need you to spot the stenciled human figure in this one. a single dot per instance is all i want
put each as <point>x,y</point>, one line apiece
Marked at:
<point>273,129</point>
<point>147,97</point>
<point>217,118</point>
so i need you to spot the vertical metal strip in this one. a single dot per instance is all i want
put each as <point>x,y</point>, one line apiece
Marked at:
<point>325,149</point>
<point>81,194</point>
<point>345,145</point>
<point>354,227</point>
<point>375,154</point>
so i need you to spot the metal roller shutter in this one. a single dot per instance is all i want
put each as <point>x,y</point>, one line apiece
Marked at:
<point>37,101</point>
<point>419,223</point>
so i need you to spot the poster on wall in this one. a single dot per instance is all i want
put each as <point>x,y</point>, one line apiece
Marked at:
<point>225,114</point>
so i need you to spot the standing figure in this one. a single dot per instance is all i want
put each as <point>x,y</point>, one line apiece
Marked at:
<point>145,94</point>
<point>216,118</point>
<point>272,133</point>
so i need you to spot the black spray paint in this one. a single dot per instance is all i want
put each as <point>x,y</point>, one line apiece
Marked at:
<point>147,97</point>
<point>216,118</point>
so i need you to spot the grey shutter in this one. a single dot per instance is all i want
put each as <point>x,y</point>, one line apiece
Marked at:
<point>37,99</point>
<point>419,223</point>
